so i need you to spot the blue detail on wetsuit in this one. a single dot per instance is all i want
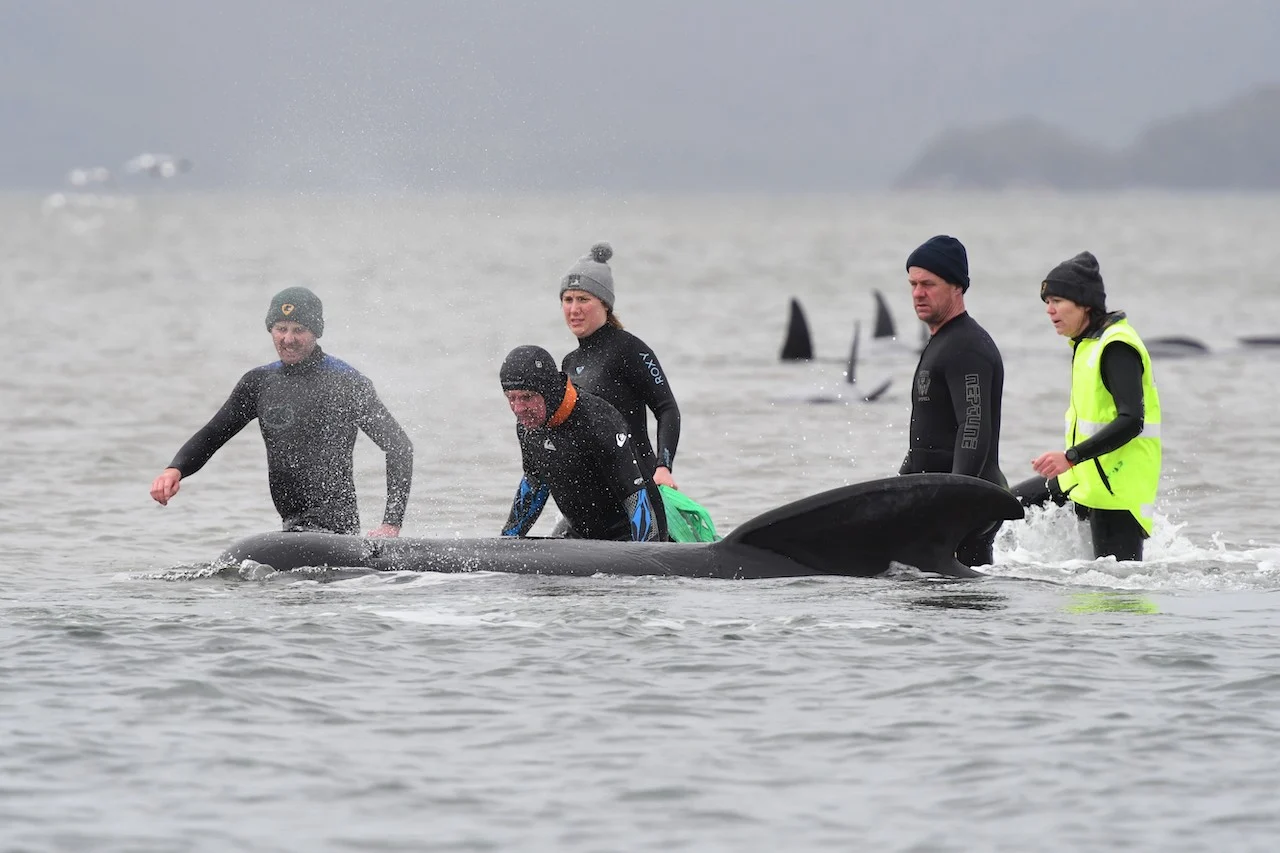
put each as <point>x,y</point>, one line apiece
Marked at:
<point>326,363</point>
<point>528,506</point>
<point>336,365</point>
<point>641,517</point>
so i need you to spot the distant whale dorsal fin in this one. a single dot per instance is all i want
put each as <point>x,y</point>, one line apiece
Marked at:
<point>884,320</point>
<point>851,369</point>
<point>798,346</point>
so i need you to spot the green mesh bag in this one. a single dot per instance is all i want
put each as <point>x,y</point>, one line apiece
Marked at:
<point>687,520</point>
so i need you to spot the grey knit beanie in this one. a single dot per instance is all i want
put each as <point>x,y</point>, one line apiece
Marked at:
<point>1078,279</point>
<point>592,274</point>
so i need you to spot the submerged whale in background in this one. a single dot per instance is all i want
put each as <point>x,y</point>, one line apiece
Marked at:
<point>1175,346</point>
<point>1260,341</point>
<point>856,531</point>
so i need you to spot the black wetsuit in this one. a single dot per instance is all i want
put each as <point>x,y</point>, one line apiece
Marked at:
<point>309,413</point>
<point>617,366</point>
<point>1115,532</point>
<point>588,465</point>
<point>955,415</point>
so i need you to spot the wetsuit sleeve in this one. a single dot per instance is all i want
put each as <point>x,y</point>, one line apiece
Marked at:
<point>531,497</point>
<point>386,432</point>
<point>1122,376</point>
<point>1038,491</point>
<point>236,413</point>
<point>971,381</point>
<point>645,374</point>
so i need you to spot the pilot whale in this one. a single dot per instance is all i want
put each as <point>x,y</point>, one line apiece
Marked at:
<point>858,530</point>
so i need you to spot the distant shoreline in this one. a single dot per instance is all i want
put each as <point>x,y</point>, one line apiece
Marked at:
<point>1232,146</point>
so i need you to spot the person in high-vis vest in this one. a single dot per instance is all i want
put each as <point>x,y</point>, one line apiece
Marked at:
<point>1110,469</point>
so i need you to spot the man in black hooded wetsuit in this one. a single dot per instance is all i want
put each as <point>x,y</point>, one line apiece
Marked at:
<point>958,385</point>
<point>576,449</point>
<point>309,406</point>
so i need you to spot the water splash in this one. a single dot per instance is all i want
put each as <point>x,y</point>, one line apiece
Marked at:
<point>1052,544</point>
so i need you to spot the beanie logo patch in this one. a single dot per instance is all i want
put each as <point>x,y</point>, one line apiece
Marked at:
<point>287,309</point>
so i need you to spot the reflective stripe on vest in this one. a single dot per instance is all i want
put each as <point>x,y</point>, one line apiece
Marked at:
<point>1093,428</point>
<point>1126,478</point>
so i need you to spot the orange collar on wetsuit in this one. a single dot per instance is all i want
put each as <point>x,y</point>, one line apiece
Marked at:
<point>566,406</point>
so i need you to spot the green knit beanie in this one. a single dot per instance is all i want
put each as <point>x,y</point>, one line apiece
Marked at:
<point>297,305</point>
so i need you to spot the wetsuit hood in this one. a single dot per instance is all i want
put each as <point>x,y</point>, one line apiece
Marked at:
<point>531,368</point>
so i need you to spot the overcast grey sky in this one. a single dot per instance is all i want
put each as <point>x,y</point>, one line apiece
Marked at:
<point>574,94</point>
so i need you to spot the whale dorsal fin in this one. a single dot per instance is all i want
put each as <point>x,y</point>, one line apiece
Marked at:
<point>797,346</point>
<point>884,320</point>
<point>914,519</point>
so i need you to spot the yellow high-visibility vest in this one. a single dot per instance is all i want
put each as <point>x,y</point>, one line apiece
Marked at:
<point>1126,478</point>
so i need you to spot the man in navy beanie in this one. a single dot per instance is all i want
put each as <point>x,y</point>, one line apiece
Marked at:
<point>959,383</point>
<point>945,257</point>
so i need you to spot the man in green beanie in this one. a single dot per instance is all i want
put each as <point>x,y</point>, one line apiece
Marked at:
<point>309,406</point>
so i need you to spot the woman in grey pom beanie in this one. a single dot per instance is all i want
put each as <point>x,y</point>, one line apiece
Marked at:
<point>616,365</point>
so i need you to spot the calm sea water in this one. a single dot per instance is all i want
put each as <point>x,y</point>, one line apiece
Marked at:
<point>149,702</point>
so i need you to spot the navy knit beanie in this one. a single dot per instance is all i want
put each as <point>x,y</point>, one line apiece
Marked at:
<point>945,257</point>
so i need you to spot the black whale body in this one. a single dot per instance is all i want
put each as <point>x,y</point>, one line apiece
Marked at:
<point>856,530</point>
